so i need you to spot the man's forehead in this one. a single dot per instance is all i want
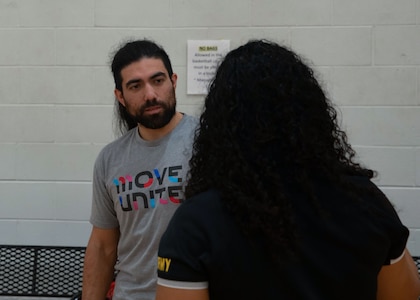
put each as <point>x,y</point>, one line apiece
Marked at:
<point>144,68</point>
<point>147,62</point>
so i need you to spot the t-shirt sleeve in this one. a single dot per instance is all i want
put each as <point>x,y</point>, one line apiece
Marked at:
<point>398,238</point>
<point>397,232</point>
<point>182,252</point>
<point>102,212</point>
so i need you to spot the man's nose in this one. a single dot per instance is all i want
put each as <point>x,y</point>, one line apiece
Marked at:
<point>149,92</point>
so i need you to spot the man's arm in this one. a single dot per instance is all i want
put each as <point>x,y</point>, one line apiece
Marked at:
<point>399,281</point>
<point>100,258</point>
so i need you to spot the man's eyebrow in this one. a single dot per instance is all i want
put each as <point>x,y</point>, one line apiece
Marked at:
<point>132,81</point>
<point>136,80</point>
<point>157,74</point>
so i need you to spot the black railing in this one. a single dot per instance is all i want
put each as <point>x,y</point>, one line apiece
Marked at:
<point>43,271</point>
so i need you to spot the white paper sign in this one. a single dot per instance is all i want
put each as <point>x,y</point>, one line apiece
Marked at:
<point>203,59</point>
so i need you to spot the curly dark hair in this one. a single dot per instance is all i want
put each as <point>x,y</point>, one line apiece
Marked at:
<point>267,127</point>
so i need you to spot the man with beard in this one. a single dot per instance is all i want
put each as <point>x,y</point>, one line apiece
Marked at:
<point>138,179</point>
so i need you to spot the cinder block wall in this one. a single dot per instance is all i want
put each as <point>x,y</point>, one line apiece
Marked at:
<point>56,91</point>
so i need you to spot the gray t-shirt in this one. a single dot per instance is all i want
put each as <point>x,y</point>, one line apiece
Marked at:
<point>137,186</point>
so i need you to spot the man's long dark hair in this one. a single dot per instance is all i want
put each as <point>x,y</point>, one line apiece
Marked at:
<point>267,127</point>
<point>130,52</point>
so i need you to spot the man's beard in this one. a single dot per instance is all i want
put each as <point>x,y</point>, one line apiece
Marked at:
<point>159,120</point>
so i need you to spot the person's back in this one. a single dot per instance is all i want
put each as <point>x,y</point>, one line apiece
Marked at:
<point>342,245</point>
<point>294,215</point>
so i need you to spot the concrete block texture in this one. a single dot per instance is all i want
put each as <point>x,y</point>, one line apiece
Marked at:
<point>44,232</point>
<point>53,161</point>
<point>374,12</point>
<point>56,13</point>
<point>289,12</point>
<point>406,204</point>
<point>334,46</point>
<point>9,13</point>
<point>57,100</point>
<point>397,45</point>
<point>216,13</point>
<point>374,86</point>
<point>45,200</point>
<point>418,166</point>
<point>60,85</point>
<point>27,46</point>
<point>10,85</point>
<point>133,13</point>
<point>395,166</point>
<point>8,161</point>
<point>26,123</point>
<point>382,126</point>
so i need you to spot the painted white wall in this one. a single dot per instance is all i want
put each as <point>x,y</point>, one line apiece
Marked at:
<point>56,91</point>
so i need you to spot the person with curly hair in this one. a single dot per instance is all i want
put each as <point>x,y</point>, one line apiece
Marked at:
<point>277,206</point>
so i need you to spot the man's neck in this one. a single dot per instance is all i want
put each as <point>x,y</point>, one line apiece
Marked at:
<point>155,134</point>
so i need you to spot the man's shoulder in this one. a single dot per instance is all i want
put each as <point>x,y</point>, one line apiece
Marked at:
<point>186,127</point>
<point>190,119</point>
<point>118,143</point>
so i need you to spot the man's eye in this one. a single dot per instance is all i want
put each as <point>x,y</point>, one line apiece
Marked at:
<point>134,87</point>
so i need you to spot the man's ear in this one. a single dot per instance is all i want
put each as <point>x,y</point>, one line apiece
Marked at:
<point>174,78</point>
<point>119,96</point>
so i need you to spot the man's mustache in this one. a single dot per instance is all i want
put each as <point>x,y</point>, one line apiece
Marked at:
<point>152,103</point>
